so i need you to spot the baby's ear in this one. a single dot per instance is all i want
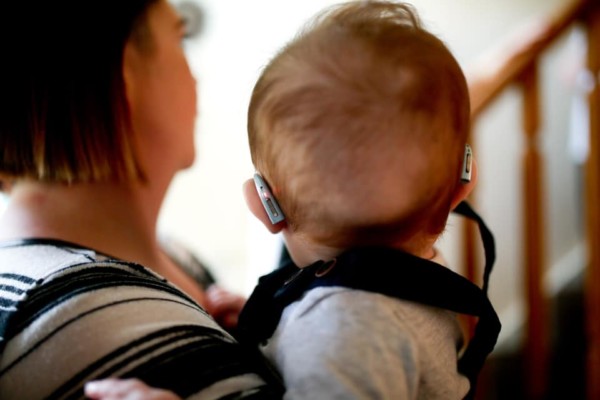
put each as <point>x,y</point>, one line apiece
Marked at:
<point>256,207</point>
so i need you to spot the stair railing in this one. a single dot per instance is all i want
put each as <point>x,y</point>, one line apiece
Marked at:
<point>487,80</point>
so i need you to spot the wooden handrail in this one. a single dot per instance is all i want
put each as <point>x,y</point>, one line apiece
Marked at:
<point>506,63</point>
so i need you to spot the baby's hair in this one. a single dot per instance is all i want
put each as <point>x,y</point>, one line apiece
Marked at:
<point>359,124</point>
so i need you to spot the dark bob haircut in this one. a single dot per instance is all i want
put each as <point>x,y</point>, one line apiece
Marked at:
<point>63,111</point>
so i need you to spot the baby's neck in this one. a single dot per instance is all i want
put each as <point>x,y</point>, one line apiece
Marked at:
<point>305,252</point>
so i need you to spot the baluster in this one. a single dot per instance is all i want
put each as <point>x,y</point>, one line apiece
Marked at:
<point>592,283</point>
<point>536,342</point>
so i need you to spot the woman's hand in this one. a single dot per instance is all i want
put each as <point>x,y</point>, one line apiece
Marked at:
<point>125,389</point>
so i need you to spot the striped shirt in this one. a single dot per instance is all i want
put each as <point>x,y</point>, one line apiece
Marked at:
<point>69,315</point>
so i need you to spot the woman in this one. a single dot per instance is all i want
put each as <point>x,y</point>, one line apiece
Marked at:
<point>98,107</point>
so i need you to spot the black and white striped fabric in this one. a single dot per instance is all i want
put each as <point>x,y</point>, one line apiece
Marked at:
<point>69,315</point>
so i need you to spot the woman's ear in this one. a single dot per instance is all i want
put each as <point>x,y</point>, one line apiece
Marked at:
<point>465,188</point>
<point>256,207</point>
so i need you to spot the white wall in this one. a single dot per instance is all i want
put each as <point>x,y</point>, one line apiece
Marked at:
<point>205,207</point>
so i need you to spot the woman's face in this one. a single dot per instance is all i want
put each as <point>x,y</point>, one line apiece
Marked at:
<point>161,92</point>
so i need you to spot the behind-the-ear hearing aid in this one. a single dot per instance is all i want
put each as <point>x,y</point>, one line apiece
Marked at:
<point>268,200</point>
<point>467,165</point>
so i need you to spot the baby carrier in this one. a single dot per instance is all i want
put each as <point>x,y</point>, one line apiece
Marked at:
<point>390,272</point>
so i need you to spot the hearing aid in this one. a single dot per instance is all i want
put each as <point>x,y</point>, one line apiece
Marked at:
<point>268,200</point>
<point>467,165</point>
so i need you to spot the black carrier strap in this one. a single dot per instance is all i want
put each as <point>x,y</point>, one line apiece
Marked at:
<point>390,272</point>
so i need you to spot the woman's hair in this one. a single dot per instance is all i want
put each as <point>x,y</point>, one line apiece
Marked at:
<point>64,115</point>
<point>363,99</point>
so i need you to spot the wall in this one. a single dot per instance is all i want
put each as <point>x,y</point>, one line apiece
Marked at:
<point>205,208</point>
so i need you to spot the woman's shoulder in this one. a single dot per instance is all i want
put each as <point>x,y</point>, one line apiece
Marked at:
<point>95,316</point>
<point>40,271</point>
<point>37,258</point>
<point>43,283</point>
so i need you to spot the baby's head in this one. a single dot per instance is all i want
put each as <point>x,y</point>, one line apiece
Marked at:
<point>359,126</point>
